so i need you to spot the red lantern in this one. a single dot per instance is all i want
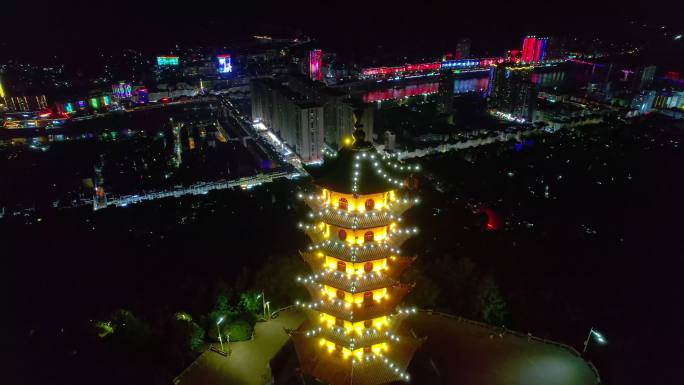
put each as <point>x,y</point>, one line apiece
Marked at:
<point>370,204</point>
<point>342,235</point>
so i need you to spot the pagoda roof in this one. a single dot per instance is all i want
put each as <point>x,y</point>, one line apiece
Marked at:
<point>355,312</point>
<point>338,172</point>
<point>355,284</point>
<point>340,250</point>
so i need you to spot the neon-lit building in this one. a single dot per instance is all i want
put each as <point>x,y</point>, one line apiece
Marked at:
<point>122,90</point>
<point>534,49</point>
<point>528,47</point>
<point>401,70</point>
<point>316,64</point>
<point>165,61</point>
<point>353,333</point>
<point>224,64</point>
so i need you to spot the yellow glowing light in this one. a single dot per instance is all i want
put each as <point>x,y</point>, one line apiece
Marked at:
<point>347,141</point>
<point>2,91</point>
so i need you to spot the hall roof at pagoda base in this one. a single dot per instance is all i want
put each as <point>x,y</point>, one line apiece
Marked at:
<point>333,369</point>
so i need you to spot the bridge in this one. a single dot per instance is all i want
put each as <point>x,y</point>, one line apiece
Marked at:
<point>200,188</point>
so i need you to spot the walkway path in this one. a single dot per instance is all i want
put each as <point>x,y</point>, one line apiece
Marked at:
<point>248,362</point>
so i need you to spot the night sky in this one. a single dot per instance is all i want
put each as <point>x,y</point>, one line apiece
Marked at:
<point>34,30</point>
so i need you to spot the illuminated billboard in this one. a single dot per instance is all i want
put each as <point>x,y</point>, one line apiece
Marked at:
<point>167,60</point>
<point>224,64</point>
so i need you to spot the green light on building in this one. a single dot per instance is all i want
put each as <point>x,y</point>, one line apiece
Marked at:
<point>94,103</point>
<point>167,60</point>
<point>105,100</point>
<point>69,107</point>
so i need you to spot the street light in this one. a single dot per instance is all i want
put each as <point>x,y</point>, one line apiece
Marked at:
<point>218,330</point>
<point>597,336</point>
<point>263,302</point>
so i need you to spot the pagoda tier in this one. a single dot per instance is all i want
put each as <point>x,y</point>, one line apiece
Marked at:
<point>356,337</point>
<point>355,312</point>
<point>332,365</point>
<point>318,205</point>
<point>348,283</point>
<point>355,253</point>
<point>395,238</point>
<point>394,266</point>
<point>365,221</point>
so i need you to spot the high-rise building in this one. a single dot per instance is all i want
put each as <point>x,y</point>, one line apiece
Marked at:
<point>555,48</point>
<point>25,103</point>
<point>534,49</point>
<point>445,93</point>
<point>513,91</point>
<point>643,78</point>
<point>462,49</point>
<point>390,141</point>
<point>298,120</point>
<point>354,332</point>
<point>316,65</point>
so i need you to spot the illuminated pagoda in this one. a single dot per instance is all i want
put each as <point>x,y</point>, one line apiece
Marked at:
<point>353,333</point>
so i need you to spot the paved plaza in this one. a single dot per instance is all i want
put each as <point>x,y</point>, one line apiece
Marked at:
<point>456,351</point>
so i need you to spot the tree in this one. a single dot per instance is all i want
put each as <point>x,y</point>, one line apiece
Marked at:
<point>276,278</point>
<point>249,302</point>
<point>491,302</point>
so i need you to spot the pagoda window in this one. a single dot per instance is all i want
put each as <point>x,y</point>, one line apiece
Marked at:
<point>368,324</point>
<point>367,350</point>
<point>344,205</point>
<point>340,294</point>
<point>368,267</point>
<point>368,298</point>
<point>339,322</point>
<point>368,236</point>
<point>370,204</point>
<point>341,266</point>
<point>342,235</point>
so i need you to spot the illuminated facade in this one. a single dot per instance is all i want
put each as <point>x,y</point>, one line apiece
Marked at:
<point>224,64</point>
<point>534,49</point>
<point>316,64</point>
<point>163,61</point>
<point>353,332</point>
